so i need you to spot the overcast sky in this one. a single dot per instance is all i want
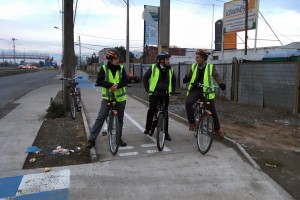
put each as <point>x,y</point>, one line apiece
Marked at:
<point>32,23</point>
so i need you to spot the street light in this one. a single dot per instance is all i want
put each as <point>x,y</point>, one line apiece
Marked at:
<point>14,46</point>
<point>62,42</point>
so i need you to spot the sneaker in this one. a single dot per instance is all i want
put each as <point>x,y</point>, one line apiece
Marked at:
<point>192,127</point>
<point>146,132</point>
<point>219,133</point>
<point>168,137</point>
<point>91,143</point>
<point>122,143</point>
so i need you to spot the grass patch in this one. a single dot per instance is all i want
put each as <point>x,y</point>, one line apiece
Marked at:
<point>55,110</point>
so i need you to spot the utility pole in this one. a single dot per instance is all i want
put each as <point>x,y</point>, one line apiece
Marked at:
<point>79,45</point>
<point>14,46</point>
<point>127,37</point>
<point>246,26</point>
<point>164,26</point>
<point>68,54</point>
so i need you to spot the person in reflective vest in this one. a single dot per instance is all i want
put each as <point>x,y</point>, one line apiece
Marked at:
<point>159,78</point>
<point>204,73</point>
<point>111,77</point>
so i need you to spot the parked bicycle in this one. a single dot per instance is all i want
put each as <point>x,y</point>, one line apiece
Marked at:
<point>160,121</point>
<point>75,95</point>
<point>204,130</point>
<point>113,125</point>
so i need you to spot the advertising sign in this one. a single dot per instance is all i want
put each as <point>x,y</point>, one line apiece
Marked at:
<point>234,15</point>
<point>151,17</point>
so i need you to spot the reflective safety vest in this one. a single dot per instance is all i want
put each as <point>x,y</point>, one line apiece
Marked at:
<point>207,79</point>
<point>120,93</point>
<point>154,79</point>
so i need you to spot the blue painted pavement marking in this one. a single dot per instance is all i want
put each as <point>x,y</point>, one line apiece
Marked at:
<point>51,185</point>
<point>9,186</point>
<point>84,82</point>
<point>55,194</point>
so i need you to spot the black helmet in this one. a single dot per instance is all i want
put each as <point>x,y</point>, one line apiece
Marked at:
<point>163,55</point>
<point>111,54</point>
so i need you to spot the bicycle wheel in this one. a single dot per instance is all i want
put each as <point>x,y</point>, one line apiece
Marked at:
<point>114,133</point>
<point>205,134</point>
<point>73,106</point>
<point>77,105</point>
<point>161,131</point>
<point>196,117</point>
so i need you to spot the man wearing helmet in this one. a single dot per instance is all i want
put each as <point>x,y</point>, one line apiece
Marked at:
<point>159,78</point>
<point>202,72</point>
<point>111,77</point>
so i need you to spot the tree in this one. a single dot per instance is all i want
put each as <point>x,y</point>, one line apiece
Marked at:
<point>122,52</point>
<point>93,59</point>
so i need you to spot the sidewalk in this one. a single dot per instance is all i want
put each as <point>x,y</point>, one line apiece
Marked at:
<point>138,171</point>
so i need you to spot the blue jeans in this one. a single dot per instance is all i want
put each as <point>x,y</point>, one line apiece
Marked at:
<point>103,113</point>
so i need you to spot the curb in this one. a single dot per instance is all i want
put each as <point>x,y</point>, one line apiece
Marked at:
<point>93,153</point>
<point>228,141</point>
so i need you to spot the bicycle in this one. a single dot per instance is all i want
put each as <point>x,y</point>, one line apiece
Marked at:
<point>160,121</point>
<point>113,125</point>
<point>204,130</point>
<point>75,95</point>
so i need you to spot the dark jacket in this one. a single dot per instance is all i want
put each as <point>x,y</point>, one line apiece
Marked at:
<point>163,80</point>
<point>101,76</point>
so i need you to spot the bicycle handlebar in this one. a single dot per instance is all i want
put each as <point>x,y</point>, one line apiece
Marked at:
<point>71,79</point>
<point>204,86</point>
<point>162,94</point>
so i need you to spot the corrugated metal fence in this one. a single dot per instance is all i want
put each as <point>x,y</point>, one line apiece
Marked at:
<point>265,84</point>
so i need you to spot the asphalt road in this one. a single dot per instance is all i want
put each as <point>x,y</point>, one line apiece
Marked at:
<point>16,86</point>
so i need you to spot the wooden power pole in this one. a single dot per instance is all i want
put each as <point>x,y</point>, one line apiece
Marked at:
<point>246,26</point>
<point>164,26</point>
<point>68,59</point>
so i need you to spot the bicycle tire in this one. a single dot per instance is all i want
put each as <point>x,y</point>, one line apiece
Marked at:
<point>205,133</point>
<point>78,108</point>
<point>161,132</point>
<point>114,134</point>
<point>197,117</point>
<point>73,106</point>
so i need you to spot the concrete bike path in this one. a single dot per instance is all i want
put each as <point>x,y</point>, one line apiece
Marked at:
<point>181,173</point>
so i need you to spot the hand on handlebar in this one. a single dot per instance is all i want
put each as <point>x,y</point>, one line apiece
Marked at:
<point>222,86</point>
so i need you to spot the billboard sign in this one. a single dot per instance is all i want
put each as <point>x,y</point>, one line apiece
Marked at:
<point>234,15</point>
<point>151,19</point>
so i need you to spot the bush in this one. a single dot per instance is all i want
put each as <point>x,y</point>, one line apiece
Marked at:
<point>55,110</point>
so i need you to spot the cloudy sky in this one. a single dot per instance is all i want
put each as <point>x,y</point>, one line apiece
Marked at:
<point>102,23</point>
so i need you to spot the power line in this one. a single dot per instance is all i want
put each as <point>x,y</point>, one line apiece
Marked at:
<point>104,37</point>
<point>75,13</point>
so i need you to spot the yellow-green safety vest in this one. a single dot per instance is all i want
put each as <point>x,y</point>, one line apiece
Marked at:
<point>154,79</point>
<point>120,93</point>
<point>207,79</point>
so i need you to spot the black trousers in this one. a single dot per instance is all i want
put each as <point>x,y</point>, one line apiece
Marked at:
<point>191,99</point>
<point>154,101</point>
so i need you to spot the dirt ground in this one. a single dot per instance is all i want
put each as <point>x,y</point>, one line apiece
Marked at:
<point>271,137</point>
<point>64,132</point>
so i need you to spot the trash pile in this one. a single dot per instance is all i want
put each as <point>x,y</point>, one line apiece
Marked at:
<point>58,151</point>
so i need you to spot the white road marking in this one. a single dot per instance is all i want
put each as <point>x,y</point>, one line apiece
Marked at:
<point>142,130</point>
<point>34,183</point>
<point>148,145</point>
<point>128,154</point>
<point>127,147</point>
<point>152,151</point>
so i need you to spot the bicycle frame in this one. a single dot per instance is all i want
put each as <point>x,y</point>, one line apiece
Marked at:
<point>205,127</point>
<point>113,126</point>
<point>75,97</point>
